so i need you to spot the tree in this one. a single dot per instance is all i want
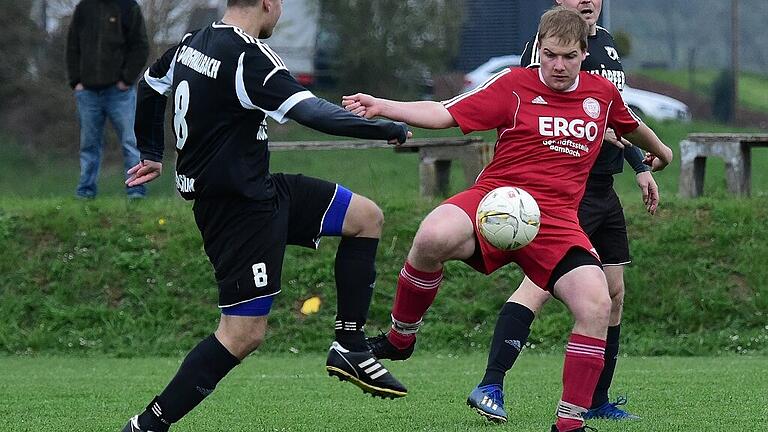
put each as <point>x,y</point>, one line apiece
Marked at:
<point>19,37</point>
<point>390,47</point>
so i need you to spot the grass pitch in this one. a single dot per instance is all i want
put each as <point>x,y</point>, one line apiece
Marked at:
<point>293,393</point>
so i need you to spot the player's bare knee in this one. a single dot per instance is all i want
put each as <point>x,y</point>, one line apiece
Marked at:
<point>364,218</point>
<point>430,243</point>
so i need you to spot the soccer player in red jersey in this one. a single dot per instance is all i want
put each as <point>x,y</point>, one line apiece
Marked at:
<point>550,123</point>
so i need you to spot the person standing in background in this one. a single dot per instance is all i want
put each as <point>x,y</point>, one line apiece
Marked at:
<point>107,49</point>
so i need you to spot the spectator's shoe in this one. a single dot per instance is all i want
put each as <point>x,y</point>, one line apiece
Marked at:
<point>584,428</point>
<point>133,425</point>
<point>363,369</point>
<point>611,411</point>
<point>488,401</point>
<point>382,348</point>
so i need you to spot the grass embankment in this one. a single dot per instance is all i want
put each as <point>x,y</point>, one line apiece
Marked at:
<point>106,276</point>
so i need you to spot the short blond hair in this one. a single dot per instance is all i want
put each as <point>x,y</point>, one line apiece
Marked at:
<point>566,25</point>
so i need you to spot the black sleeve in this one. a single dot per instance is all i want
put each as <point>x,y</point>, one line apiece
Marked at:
<point>526,58</point>
<point>151,97</point>
<point>136,46</point>
<point>150,122</point>
<point>321,115</point>
<point>634,157</point>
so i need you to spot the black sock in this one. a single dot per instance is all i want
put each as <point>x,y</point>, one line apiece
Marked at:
<point>355,270</point>
<point>509,337</point>
<point>606,376</point>
<point>198,375</point>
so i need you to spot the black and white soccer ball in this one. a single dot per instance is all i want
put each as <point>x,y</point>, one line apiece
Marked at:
<point>508,217</point>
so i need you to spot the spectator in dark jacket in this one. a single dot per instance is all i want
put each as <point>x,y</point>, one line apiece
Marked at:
<point>106,51</point>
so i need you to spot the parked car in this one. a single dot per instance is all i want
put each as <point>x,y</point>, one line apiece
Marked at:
<point>655,105</point>
<point>643,102</point>
<point>488,69</point>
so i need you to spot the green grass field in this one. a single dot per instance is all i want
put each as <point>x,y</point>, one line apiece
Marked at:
<point>293,393</point>
<point>93,326</point>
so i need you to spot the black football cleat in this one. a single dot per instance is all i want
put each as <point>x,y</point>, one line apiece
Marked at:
<point>382,348</point>
<point>133,425</point>
<point>363,369</point>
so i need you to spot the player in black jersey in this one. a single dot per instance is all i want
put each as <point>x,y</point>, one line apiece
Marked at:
<point>601,216</point>
<point>224,82</point>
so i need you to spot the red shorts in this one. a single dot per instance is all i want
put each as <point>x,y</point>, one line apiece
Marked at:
<point>557,235</point>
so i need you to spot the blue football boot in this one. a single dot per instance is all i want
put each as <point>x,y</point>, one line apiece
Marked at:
<point>488,401</point>
<point>611,411</point>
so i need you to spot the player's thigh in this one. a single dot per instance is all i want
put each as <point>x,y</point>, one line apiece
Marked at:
<point>447,232</point>
<point>316,207</point>
<point>530,295</point>
<point>245,241</point>
<point>579,282</point>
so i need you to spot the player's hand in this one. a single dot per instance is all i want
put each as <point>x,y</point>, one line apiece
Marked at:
<point>122,86</point>
<point>650,191</point>
<point>143,172</point>
<point>361,104</point>
<point>79,86</point>
<point>610,136</point>
<point>655,163</point>
<point>395,141</point>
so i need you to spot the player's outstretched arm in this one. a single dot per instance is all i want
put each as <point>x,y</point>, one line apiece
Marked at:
<point>321,115</point>
<point>645,138</point>
<point>424,114</point>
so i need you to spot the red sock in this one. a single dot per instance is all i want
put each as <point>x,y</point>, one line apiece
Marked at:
<point>584,360</point>
<point>416,290</point>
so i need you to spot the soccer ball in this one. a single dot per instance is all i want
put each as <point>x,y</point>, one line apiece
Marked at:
<point>508,217</point>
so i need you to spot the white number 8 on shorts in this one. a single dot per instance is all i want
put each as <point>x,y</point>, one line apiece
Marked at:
<point>260,275</point>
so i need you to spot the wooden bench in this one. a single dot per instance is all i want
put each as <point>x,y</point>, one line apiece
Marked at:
<point>734,149</point>
<point>435,156</point>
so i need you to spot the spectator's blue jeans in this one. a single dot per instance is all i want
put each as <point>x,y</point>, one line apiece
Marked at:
<point>94,107</point>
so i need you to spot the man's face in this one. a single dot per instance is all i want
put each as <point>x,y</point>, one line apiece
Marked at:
<point>589,9</point>
<point>273,15</point>
<point>560,63</point>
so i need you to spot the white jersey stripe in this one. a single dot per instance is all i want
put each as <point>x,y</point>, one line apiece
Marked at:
<point>271,55</point>
<point>242,94</point>
<point>162,85</point>
<point>279,114</point>
<point>274,71</point>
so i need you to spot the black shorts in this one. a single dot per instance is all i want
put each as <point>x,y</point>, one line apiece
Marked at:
<point>602,218</point>
<point>574,258</point>
<point>245,240</point>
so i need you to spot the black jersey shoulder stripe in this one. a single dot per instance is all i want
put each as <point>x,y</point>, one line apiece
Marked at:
<point>238,31</point>
<point>535,57</point>
<point>163,85</point>
<point>271,55</point>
